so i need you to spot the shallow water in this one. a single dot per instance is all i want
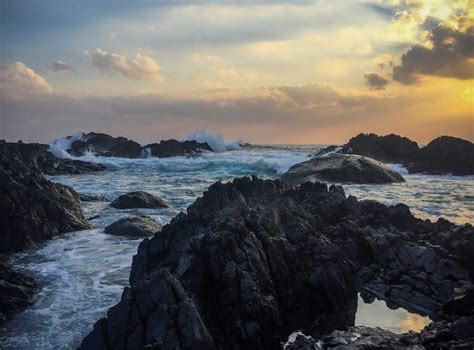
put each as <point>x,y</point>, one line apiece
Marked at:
<point>82,274</point>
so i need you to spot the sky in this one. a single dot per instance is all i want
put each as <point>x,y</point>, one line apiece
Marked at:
<point>309,72</point>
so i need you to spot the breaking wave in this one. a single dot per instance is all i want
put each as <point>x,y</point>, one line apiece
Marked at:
<point>60,146</point>
<point>215,141</point>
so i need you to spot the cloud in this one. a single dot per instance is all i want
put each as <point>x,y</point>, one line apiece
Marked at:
<point>206,59</point>
<point>140,67</point>
<point>375,81</point>
<point>60,66</point>
<point>17,78</point>
<point>451,55</point>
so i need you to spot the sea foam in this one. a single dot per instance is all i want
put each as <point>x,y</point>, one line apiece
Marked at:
<point>60,146</point>
<point>215,141</point>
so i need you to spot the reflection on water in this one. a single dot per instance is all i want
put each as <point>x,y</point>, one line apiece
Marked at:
<point>377,314</point>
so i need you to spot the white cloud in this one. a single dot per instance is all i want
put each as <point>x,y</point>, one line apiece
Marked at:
<point>18,78</point>
<point>60,66</point>
<point>139,67</point>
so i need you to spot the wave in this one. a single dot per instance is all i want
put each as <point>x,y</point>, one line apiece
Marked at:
<point>60,146</point>
<point>215,141</point>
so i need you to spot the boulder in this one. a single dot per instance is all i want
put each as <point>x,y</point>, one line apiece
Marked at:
<point>32,209</point>
<point>173,148</point>
<point>16,291</point>
<point>444,155</point>
<point>252,261</point>
<point>136,226</point>
<point>106,145</point>
<point>341,168</point>
<point>138,199</point>
<point>390,148</point>
<point>92,198</point>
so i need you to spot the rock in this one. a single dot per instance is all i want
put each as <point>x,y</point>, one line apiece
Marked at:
<point>16,291</point>
<point>106,145</point>
<point>257,259</point>
<point>390,148</point>
<point>173,148</point>
<point>37,155</point>
<point>92,198</point>
<point>341,168</point>
<point>138,199</point>
<point>239,270</point>
<point>444,155</point>
<point>136,226</point>
<point>32,209</point>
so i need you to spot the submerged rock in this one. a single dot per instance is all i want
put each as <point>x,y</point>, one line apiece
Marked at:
<point>136,226</point>
<point>138,199</point>
<point>92,198</point>
<point>252,261</point>
<point>172,148</point>
<point>16,291</point>
<point>341,168</point>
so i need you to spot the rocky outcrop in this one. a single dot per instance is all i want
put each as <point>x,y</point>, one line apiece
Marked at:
<point>341,168</point>
<point>16,291</point>
<point>138,199</point>
<point>390,148</point>
<point>252,261</point>
<point>136,226</point>
<point>37,155</point>
<point>106,145</point>
<point>32,209</point>
<point>173,148</point>
<point>443,155</point>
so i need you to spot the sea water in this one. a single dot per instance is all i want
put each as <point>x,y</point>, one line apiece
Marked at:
<point>81,274</point>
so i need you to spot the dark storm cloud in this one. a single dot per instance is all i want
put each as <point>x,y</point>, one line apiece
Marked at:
<point>375,81</point>
<point>451,56</point>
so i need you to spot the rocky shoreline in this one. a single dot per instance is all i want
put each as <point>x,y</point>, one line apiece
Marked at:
<point>253,260</point>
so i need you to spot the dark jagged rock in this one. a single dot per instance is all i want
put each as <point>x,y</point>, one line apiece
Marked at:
<point>138,199</point>
<point>16,291</point>
<point>249,265</point>
<point>38,156</point>
<point>443,155</point>
<point>341,168</point>
<point>92,198</point>
<point>106,145</point>
<point>172,148</point>
<point>136,226</point>
<point>390,148</point>
<point>258,259</point>
<point>32,209</point>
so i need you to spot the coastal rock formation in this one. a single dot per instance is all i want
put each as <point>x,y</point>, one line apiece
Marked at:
<point>32,209</point>
<point>443,155</point>
<point>341,168</point>
<point>136,226</point>
<point>106,145</point>
<point>253,260</point>
<point>172,148</point>
<point>16,291</point>
<point>37,155</point>
<point>138,199</point>
<point>390,148</point>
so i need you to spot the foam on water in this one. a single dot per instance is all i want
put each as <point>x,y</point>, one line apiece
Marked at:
<point>215,141</point>
<point>83,273</point>
<point>60,146</point>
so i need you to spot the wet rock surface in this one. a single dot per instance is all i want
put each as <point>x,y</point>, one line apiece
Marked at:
<point>38,156</point>
<point>172,148</point>
<point>138,199</point>
<point>16,291</point>
<point>32,209</point>
<point>92,198</point>
<point>341,168</point>
<point>252,261</point>
<point>134,226</point>
<point>105,145</point>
